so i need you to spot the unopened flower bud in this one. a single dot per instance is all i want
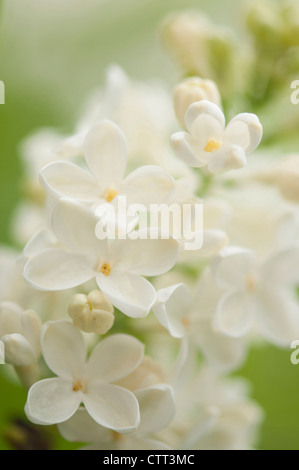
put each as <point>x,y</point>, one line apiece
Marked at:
<point>92,313</point>
<point>265,23</point>
<point>18,350</point>
<point>191,90</point>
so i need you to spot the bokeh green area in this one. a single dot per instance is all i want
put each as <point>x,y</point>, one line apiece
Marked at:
<point>52,54</point>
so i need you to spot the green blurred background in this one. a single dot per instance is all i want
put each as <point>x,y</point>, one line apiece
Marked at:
<point>52,54</point>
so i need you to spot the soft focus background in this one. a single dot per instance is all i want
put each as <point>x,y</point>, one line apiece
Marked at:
<point>53,53</point>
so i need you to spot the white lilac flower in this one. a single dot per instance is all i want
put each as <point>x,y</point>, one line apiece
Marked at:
<point>257,294</point>
<point>105,153</point>
<point>156,405</point>
<point>238,418</point>
<point>189,313</point>
<point>19,335</point>
<point>89,381</point>
<point>209,143</point>
<point>119,266</point>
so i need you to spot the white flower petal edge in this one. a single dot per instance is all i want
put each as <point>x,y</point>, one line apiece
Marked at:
<point>172,307</point>
<point>157,408</point>
<point>122,353</point>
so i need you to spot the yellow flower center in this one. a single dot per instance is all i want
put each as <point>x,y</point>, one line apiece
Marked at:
<point>105,269</point>
<point>77,387</point>
<point>212,145</point>
<point>110,195</point>
<point>251,283</point>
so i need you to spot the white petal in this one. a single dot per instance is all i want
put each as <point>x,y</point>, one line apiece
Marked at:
<point>74,226</point>
<point>157,408</point>
<point>226,159</point>
<point>145,256</point>
<point>105,152</point>
<point>82,428</point>
<point>112,406</point>
<point>232,267</point>
<point>278,316</point>
<point>51,401</point>
<point>235,315</point>
<point>133,295</point>
<point>57,269</point>
<point>203,108</point>
<point>186,149</point>
<point>40,241</point>
<point>204,423</point>
<point>115,357</point>
<point>172,307</point>
<point>282,268</point>
<point>223,353</point>
<point>147,185</point>
<point>63,349</point>
<point>213,242</point>
<point>69,180</point>
<point>244,130</point>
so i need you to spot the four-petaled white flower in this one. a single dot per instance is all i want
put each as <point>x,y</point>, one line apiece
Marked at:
<point>156,404</point>
<point>189,314</point>
<point>209,143</point>
<point>105,154</point>
<point>260,295</point>
<point>88,381</point>
<point>118,266</point>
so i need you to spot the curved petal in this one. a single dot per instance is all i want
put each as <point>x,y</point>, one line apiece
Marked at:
<point>51,401</point>
<point>133,295</point>
<point>232,267</point>
<point>157,408</point>
<point>63,349</point>
<point>112,407</point>
<point>278,316</point>
<point>114,358</point>
<point>57,269</point>
<point>145,255</point>
<point>148,185</point>
<point>282,268</point>
<point>82,428</point>
<point>234,316</point>
<point>186,149</point>
<point>226,159</point>
<point>203,108</point>
<point>172,308</point>
<point>105,152</point>
<point>244,130</point>
<point>213,242</point>
<point>225,354</point>
<point>40,241</point>
<point>69,180</point>
<point>75,227</point>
